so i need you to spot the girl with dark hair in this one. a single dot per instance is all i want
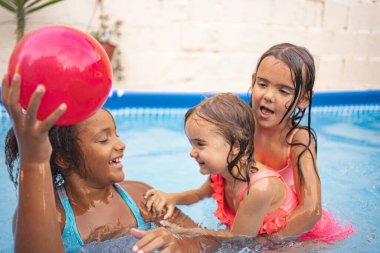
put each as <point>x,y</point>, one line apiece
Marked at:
<point>251,198</point>
<point>281,94</point>
<point>90,201</point>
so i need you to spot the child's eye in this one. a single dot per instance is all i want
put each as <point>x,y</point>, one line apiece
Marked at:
<point>261,84</point>
<point>201,144</point>
<point>285,92</point>
<point>103,141</point>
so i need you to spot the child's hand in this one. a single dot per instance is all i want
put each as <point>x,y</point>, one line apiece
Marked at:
<point>176,229</point>
<point>160,201</point>
<point>31,134</point>
<point>156,239</point>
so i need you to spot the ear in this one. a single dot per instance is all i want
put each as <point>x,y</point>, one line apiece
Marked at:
<point>253,79</point>
<point>62,164</point>
<point>304,102</point>
<point>235,149</point>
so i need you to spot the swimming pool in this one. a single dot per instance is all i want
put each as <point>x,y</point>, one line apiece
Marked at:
<point>348,128</point>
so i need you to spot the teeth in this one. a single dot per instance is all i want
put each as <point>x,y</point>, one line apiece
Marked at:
<point>116,160</point>
<point>266,110</point>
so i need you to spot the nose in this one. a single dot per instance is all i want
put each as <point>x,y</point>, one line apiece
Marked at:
<point>193,153</point>
<point>120,145</point>
<point>269,95</point>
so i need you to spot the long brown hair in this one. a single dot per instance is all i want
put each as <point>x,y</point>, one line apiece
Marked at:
<point>302,69</point>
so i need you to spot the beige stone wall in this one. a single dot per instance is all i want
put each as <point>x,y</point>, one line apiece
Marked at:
<point>213,45</point>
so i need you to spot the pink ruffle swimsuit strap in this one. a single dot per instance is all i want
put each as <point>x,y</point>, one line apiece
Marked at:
<point>272,222</point>
<point>223,211</point>
<point>287,171</point>
<point>277,219</point>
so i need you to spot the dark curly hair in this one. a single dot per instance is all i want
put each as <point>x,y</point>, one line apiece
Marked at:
<point>66,156</point>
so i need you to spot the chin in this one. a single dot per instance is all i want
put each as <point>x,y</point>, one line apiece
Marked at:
<point>119,177</point>
<point>204,172</point>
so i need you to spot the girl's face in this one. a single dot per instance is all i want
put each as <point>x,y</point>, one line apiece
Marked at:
<point>102,148</point>
<point>272,92</point>
<point>209,148</point>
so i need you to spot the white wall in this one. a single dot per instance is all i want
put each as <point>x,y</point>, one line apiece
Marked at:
<point>213,45</point>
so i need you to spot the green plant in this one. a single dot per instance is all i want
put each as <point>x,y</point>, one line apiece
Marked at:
<point>22,8</point>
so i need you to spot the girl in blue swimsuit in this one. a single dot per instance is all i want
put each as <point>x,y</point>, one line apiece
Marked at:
<point>71,183</point>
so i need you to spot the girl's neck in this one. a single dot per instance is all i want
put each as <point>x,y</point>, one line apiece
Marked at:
<point>271,147</point>
<point>230,181</point>
<point>238,171</point>
<point>228,177</point>
<point>84,195</point>
<point>271,134</point>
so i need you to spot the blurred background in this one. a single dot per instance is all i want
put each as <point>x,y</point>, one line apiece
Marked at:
<point>214,45</point>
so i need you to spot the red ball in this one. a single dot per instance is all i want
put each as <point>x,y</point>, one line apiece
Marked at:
<point>72,66</point>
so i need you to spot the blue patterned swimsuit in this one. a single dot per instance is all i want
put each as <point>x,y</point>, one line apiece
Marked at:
<point>70,235</point>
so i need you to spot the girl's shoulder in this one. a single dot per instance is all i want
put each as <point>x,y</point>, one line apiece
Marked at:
<point>61,214</point>
<point>264,177</point>
<point>135,187</point>
<point>303,140</point>
<point>302,135</point>
<point>264,188</point>
<point>136,190</point>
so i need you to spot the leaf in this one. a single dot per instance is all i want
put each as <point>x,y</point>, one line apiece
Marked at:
<point>32,3</point>
<point>9,5</point>
<point>42,6</point>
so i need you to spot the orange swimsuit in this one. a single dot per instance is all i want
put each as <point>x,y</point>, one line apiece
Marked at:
<point>272,222</point>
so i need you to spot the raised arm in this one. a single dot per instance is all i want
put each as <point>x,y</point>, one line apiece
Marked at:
<point>162,202</point>
<point>36,228</point>
<point>309,210</point>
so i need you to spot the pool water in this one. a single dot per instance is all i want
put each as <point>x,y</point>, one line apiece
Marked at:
<point>157,152</point>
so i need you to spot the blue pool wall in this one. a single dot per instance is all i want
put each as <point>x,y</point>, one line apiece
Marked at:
<point>129,99</point>
<point>119,99</point>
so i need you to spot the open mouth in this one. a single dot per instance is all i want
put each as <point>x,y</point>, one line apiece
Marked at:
<point>116,162</point>
<point>201,163</point>
<point>265,110</point>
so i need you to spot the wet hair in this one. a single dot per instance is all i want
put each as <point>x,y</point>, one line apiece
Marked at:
<point>67,155</point>
<point>302,69</point>
<point>235,122</point>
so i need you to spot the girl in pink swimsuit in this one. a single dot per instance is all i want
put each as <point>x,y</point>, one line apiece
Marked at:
<point>251,198</point>
<point>282,89</point>
<point>281,94</point>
